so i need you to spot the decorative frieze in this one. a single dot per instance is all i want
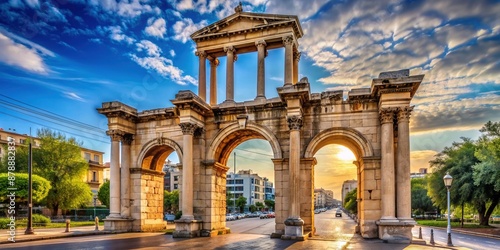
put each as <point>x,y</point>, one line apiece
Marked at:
<point>294,122</point>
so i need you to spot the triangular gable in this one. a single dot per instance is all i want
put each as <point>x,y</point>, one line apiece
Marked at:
<point>247,22</point>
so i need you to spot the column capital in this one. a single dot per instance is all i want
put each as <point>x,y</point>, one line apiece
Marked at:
<point>387,115</point>
<point>214,62</point>
<point>229,49</point>
<point>260,43</point>
<point>127,139</point>
<point>403,113</point>
<point>188,128</point>
<point>288,40</point>
<point>296,56</point>
<point>201,53</point>
<point>294,122</point>
<point>115,134</point>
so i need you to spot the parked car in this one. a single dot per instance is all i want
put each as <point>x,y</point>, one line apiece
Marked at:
<point>230,217</point>
<point>338,213</point>
<point>169,217</point>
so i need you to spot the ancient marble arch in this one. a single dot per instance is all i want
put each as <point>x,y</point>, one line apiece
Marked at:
<point>372,122</point>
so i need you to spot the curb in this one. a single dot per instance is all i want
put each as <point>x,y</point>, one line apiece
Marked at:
<point>492,236</point>
<point>58,236</point>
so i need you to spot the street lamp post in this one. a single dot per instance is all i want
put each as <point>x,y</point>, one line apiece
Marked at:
<point>95,204</point>
<point>234,184</point>
<point>447,182</point>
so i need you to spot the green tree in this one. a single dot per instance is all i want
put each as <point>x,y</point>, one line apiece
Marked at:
<point>420,201</point>
<point>241,202</point>
<point>171,201</point>
<point>487,172</point>
<point>259,205</point>
<point>59,160</point>
<point>471,164</point>
<point>269,204</point>
<point>252,208</point>
<point>103,193</point>
<point>40,187</point>
<point>350,201</point>
<point>230,201</point>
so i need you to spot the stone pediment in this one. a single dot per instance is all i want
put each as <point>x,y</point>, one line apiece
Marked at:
<point>247,22</point>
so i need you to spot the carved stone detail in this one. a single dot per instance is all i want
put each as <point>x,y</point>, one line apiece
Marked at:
<point>214,62</point>
<point>260,43</point>
<point>296,56</point>
<point>404,113</point>
<point>294,122</point>
<point>188,128</point>
<point>288,40</point>
<point>201,53</point>
<point>387,115</point>
<point>127,139</point>
<point>116,135</point>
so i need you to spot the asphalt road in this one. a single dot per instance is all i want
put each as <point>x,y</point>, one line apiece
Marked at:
<point>458,239</point>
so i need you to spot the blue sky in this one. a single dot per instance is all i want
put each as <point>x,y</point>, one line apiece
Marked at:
<point>69,56</point>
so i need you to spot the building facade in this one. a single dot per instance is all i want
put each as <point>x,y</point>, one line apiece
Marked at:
<point>172,176</point>
<point>323,198</point>
<point>249,185</point>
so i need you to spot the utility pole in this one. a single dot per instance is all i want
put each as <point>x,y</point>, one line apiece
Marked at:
<point>29,228</point>
<point>234,184</point>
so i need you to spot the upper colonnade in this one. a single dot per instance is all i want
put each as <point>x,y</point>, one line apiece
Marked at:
<point>245,32</point>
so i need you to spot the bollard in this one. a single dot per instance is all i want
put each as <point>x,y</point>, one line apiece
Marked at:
<point>96,223</point>
<point>432,237</point>
<point>67,225</point>
<point>420,233</point>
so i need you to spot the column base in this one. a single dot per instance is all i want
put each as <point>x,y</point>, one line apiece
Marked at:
<point>118,225</point>
<point>215,232</point>
<point>368,229</point>
<point>395,232</point>
<point>260,99</point>
<point>228,103</point>
<point>294,230</point>
<point>185,228</point>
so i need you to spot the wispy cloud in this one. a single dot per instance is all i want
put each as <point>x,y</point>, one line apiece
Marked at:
<point>185,27</point>
<point>30,60</point>
<point>74,96</point>
<point>156,28</point>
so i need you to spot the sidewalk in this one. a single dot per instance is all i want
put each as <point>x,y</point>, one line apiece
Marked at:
<point>234,240</point>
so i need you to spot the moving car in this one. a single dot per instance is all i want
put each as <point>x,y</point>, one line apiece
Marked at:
<point>338,213</point>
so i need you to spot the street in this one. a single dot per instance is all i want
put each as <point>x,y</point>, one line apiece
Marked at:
<point>252,233</point>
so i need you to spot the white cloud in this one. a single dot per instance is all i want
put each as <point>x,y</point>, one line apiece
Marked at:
<point>164,67</point>
<point>30,60</point>
<point>184,28</point>
<point>150,48</point>
<point>116,33</point>
<point>74,96</point>
<point>33,3</point>
<point>172,53</point>
<point>156,28</point>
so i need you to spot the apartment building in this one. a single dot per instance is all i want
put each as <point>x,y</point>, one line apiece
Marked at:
<point>250,185</point>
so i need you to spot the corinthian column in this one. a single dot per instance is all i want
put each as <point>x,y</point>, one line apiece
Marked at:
<point>403,166</point>
<point>114,182</point>
<point>387,168</point>
<point>296,59</point>
<point>125,176</point>
<point>202,74</point>
<point>230,73</point>
<point>213,81</point>
<point>187,170</point>
<point>261,67</point>
<point>294,222</point>
<point>288,42</point>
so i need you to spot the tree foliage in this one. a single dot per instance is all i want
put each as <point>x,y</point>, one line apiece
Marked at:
<point>420,201</point>
<point>103,194</point>
<point>171,201</point>
<point>59,160</point>
<point>40,187</point>
<point>241,202</point>
<point>269,204</point>
<point>474,166</point>
<point>259,205</point>
<point>350,201</point>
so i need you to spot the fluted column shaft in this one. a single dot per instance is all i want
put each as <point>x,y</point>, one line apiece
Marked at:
<point>288,42</point>
<point>187,170</point>
<point>387,162</point>
<point>213,81</point>
<point>296,59</point>
<point>294,123</point>
<point>261,67</point>
<point>202,74</point>
<point>114,172</point>
<point>125,176</point>
<point>230,73</point>
<point>403,165</point>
